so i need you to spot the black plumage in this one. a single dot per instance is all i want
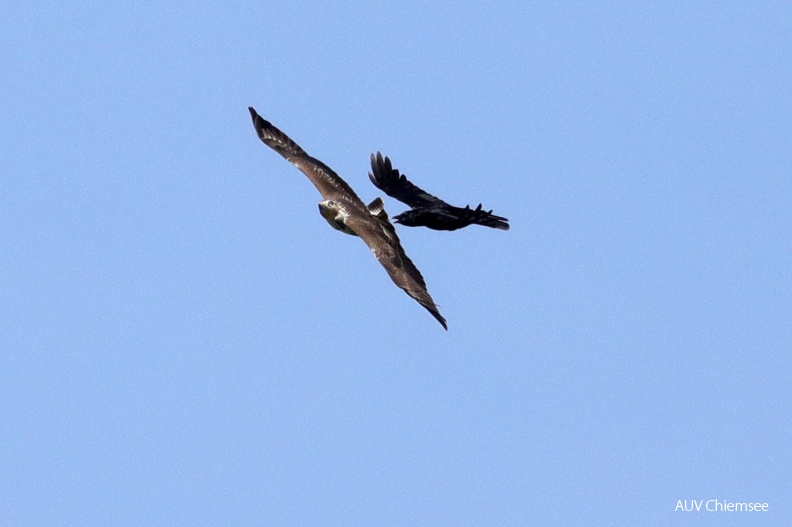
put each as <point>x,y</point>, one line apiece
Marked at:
<point>427,210</point>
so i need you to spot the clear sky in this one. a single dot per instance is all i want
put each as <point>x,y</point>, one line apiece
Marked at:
<point>185,341</point>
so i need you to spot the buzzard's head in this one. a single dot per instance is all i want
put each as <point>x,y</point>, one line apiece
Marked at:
<point>329,209</point>
<point>335,214</point>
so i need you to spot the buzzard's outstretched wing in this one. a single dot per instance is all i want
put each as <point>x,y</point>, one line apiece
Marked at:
<point>378,233</point>
<point>324,179</point>
<point>387,179</point>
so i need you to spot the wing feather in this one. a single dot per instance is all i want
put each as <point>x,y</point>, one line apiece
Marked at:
<point>380,236</point>
<point>396,185</point>
<point>323,177</point>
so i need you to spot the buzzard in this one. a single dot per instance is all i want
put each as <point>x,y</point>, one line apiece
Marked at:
<point>427,210</point>
<point>345,211</point>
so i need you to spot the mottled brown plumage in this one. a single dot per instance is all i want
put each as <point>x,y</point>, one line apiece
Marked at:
<point>345,211</point>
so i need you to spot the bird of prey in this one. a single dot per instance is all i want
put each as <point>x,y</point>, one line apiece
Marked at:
<point>345,211</point>
<point>427,210</point>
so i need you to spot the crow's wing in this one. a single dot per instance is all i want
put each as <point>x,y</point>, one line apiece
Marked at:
<point>387,179</point>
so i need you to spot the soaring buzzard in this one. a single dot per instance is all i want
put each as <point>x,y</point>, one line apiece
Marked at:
<point>427,210</point>
<point>344,210</point>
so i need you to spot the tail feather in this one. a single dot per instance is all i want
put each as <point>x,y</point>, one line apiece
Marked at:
<point>488,219</point>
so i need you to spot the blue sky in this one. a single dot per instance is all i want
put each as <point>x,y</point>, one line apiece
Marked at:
<point>185,341</point>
